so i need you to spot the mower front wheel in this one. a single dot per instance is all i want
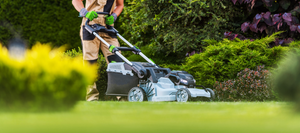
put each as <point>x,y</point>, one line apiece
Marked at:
<point>183,95</point>
<point>137,94</point>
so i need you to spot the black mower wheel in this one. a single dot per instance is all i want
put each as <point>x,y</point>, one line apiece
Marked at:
<point>212,94</point>
<point>136,94</point>
<point>183,95</point>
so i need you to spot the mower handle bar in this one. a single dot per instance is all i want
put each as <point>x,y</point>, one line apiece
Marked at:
<point>101,28</point>
<point>101,13</point>
<point>88,27</point>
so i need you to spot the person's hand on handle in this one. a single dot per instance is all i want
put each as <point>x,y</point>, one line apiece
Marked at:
<point>109,20</point>
<point>90,15</point>
<point>82,11</point>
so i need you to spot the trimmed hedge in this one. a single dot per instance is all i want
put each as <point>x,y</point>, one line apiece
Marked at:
<point>44,80</point>
<point>222,60</point>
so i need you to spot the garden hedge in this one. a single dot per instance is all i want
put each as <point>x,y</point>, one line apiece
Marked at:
<point>45,80</point>
<point>222,60</point>
<point>44,21</point>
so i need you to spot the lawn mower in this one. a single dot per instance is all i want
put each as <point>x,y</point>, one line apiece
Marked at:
<point>145,81</point>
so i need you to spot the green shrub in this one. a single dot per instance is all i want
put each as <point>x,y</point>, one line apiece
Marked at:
<point>178,26</point>
<point>222,60</point>
<point>44,21</point>
<point>287,76</point>
<point>250,85</point>
<point>102,77</point>
<point>44,80</point>
<point>74,53</point>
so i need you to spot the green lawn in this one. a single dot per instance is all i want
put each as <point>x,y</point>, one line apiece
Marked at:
<point>153,117</point>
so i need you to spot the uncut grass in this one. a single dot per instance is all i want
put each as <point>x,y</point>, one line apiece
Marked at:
<point>159,117</point>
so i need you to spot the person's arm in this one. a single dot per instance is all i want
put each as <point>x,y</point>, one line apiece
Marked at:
<point>82,11</point>
<point>78,4</point>
<point>119,7</point>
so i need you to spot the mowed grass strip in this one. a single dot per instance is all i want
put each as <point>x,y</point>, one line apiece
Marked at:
<point>90,117</point>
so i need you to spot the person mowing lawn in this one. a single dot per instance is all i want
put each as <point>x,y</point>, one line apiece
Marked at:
<point>91,44</point>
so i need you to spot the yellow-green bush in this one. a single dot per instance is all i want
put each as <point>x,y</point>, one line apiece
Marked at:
<point>44,80</point>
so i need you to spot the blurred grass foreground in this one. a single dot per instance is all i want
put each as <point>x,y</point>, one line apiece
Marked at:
<point>43,80</point>
<point>158,117</point>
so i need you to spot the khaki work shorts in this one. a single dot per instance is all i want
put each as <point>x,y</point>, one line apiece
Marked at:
<point>91,45</point>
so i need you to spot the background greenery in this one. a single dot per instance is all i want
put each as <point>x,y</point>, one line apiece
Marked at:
<point>171,27</point>
<point>174,27</point>
<point>45,21</point>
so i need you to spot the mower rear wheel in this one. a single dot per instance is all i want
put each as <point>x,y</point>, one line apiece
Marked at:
<point>212,94</point>
<point>183,95</point>
<point>137,94</point>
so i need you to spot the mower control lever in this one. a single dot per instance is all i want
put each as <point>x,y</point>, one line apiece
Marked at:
<point>99,28</point>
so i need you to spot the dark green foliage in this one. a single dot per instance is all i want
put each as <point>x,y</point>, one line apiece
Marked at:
<point>101,82</point>
<point>172,66</point>
<point>158,57</point>
<point>177,25</point>
<point>250,85</point>
<point>287,76</point>
<point>54,21</point>
<point>222,60</point>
